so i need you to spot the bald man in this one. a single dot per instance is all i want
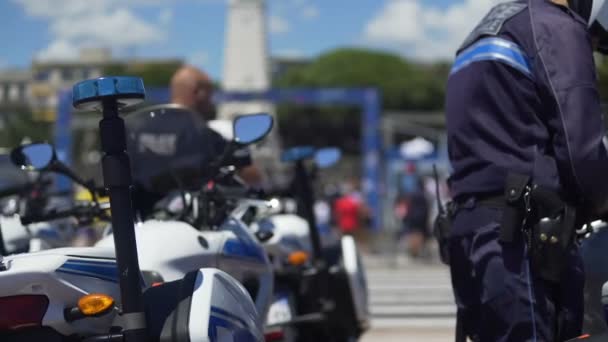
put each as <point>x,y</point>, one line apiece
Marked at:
<point>192,88</point>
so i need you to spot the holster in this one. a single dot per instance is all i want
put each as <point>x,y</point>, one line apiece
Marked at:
<point>441,230</point>
<point>546,218</point>
<point>552,234</point>
<point>514,211</point>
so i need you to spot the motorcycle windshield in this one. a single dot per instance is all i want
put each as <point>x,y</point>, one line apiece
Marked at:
<point>170,147</point>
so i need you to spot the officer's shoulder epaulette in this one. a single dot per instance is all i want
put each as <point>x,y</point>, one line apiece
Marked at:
<point>492,23</point>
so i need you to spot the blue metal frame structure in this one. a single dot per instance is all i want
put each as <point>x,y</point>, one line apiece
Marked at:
<point>367,99</point>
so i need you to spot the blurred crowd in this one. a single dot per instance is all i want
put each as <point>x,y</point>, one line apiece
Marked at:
<point>414,209</point>
<point>342,207</point>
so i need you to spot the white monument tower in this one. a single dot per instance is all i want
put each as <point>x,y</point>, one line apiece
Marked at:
<point>246,64</point>
<point>246,69</point>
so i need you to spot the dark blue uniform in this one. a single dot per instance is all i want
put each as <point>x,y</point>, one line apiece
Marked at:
<point>172,149</point>
<point>521,98</point>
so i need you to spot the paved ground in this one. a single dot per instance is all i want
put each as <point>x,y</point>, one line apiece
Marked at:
<point>409,301</point>
<point>409,335</point>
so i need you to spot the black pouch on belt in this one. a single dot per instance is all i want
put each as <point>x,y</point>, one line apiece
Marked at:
<point>553,233</point>
<point>514,211</point>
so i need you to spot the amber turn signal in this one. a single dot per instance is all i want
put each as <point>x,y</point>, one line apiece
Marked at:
<point>297,258</point>
<point>95,304</point>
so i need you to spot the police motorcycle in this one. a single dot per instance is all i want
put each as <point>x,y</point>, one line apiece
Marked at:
<point>323,283</point>
<point>193,223</point>
<point>100,294</point>
<point>594,239</point>
<point>33,195</point>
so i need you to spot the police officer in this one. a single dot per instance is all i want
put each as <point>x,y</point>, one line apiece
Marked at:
<point>523,113</point>
<point>174,147</point>
<point>193,89</point>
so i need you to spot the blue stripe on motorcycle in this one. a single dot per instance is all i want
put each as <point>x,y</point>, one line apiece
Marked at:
<point>231,323</point>
<point>238,249</point>
<point>48,234</point>
<point>86,274</point>
<point>97,269</point>
<point>232,316</point>
<point>92,262</point>
<point>91,257</point>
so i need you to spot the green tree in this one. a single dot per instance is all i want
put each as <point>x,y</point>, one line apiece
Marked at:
<point>18,122</point>
<point>154,74</point>
<point>403,86</point>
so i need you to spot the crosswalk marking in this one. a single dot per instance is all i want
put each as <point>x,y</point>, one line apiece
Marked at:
<point>411,295</point>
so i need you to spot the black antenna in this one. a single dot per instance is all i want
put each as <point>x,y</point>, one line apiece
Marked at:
<point>437,195</point>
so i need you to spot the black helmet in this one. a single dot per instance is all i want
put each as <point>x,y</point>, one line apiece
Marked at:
<point>596,14</point>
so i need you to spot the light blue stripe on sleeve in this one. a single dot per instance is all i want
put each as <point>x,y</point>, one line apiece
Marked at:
<point>494,49</point>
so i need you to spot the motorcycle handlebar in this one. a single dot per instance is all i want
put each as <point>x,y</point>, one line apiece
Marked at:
<point>233,192</point>
<point>20,189</point>
<point>80,211</point>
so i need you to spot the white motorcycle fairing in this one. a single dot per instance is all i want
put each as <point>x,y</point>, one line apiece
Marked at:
<point>64,275</point>
<point>171,249</point>
<point>207,305</point>
<point>356,280</point>
<point>219,309</point>
<point>290,234</point>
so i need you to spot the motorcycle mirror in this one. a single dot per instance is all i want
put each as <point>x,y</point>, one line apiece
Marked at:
<point>33,157</point>
<point>42,157</point>
<point>297,153</point>
<point>251,128</point>
<point>327,157</point>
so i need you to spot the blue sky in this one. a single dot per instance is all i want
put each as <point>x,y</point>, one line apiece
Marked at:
<point>194,29</point>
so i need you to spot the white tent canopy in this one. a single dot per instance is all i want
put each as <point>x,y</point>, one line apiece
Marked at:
<point>416,148</point>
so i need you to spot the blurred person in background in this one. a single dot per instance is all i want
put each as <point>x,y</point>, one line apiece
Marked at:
<point>346,209</point>
<point>415,222</point>
<point>350,211</point>
<point>322,211</point>
<point>193,89</point>
<point>412,211</point>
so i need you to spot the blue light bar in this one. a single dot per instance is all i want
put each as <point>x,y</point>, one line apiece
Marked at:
<point>126,90</point>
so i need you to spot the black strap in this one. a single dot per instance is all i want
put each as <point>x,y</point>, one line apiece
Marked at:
<point>497,202</point>
<point>514,211</point>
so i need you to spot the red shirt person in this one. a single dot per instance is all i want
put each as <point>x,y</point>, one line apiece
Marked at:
<point>347,211</point>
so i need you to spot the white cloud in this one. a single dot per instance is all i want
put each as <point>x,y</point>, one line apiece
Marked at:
<point>165,16</point>
<point>119,28</point>
<point>62,8</point>
<point>310,12</point>
<point>198,58</point>
<point>423,31</point>
<point>108,23</point>
<point>58,50</point>
<point>278,25</point>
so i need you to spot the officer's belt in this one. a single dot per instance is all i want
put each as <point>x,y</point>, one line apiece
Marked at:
<point>496,201</point>
<point>523,204</point>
